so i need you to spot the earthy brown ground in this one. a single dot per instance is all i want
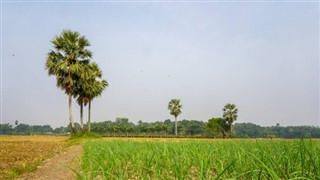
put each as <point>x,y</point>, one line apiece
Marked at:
<point>57,167</point>
<point>20,154</point>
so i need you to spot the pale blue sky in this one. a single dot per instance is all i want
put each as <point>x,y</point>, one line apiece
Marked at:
<point>263,57</point>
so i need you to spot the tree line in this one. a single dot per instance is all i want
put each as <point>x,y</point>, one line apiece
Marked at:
<point>122,127</point>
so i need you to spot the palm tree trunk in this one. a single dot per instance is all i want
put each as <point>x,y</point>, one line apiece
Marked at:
<point>230,126</point>
<point>176,126</point>
<point>73,130</point>
<point>89,115</point>
<point>81,116</point>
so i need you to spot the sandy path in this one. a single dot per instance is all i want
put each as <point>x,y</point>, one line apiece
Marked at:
<point>56,168</point>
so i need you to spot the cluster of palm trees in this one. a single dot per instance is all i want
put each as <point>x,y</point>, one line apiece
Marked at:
<point>230,113</point>
<point>81,78</point>
<point>75,72</point>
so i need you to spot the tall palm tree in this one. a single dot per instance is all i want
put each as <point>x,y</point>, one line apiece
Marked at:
<point>65,63</point>
<point>230,114</point>
<point>175,109</point>
<point>95,86</point>
<point>89,86</point>
<point>82,100</point>
<point>81,88</point>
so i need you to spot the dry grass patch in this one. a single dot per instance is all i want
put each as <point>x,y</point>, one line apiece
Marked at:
<point>19,154</point>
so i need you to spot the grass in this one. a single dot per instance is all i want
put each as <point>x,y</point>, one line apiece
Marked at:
<point>20,154</point>
<point>158,158</point>
<point>205,159</point>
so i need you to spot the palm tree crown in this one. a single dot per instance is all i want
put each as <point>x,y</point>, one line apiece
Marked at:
<point>175,107</point>
<point>66,58</point>
<point>230,113</point>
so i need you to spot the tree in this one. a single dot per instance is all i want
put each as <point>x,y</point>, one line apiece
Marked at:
<point>81,91</point>
<point>89,86</point>
<point>98,87</point>
<point>218,126</point>
<point>82,100</point>
<point>6,129</point>
<point>249,130</point>
<point>194,127</point>
<point>175,109</point>
<point>65,63</point>
<point>165,128</point>
<point>60,130</point>
<point>230,114</point>
<point>93,86</point>
<point>22,129</point>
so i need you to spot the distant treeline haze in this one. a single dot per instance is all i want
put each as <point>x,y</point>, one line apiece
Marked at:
<point>122,127</point>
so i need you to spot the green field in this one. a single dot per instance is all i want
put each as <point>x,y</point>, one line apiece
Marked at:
<point>195,159</point>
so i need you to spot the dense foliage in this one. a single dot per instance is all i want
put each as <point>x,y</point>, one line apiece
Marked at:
<point>122,127</point>
<point>244,130</point>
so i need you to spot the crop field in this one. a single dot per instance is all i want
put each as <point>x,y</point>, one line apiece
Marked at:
<point>200,159</point>
<point>20,154</point>
<point>160,158</point>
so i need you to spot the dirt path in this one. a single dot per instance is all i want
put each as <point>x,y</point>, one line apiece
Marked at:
<point>56,168</point>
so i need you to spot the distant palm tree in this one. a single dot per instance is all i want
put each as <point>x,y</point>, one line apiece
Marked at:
<point>175,109</point>
<point>65,63</point>
<point>230,114</point>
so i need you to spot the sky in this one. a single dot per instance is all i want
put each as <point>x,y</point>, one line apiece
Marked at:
<point>261,56</point>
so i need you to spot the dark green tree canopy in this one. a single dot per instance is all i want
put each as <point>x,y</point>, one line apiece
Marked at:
<point>218,126</point>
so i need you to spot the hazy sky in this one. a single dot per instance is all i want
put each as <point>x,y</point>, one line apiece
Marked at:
<point>261,56</point>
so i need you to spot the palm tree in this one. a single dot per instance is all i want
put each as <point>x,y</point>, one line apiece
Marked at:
<point>98,87</point>
<point>65,63</point>
<point>82,100</point>
<point>175,110</point>
<point>81,88</point>
<point>89,86</point>
<point>230,114</point>
<point>95,87</point>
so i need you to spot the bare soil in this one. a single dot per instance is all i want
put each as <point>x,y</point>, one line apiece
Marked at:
<point>58,167</point>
